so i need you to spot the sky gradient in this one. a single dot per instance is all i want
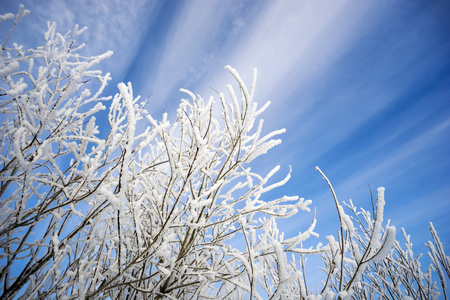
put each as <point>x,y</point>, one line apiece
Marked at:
<point>362,87</point>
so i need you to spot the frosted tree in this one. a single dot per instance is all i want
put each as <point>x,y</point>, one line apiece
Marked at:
<point>172,211</point>
<point>148,214</point>
<point>367,262</point>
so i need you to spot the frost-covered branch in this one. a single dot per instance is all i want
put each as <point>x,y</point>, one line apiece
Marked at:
<point>93,208</point>
<point>367,262</point>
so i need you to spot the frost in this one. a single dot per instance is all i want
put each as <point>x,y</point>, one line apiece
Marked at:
<point>374,242</point>
<point>17,88</point>
<point>387,245</point>
<point>21,13</point>
<point>12,67</point>
<point>7,16</point>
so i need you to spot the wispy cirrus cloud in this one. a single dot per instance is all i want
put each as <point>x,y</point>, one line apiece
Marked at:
<point>362,87</point>
<point>190,48</point>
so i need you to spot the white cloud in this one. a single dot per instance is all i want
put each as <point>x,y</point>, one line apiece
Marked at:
<point>188,51</point>
<point>294,45</point>
<point>294,42</point>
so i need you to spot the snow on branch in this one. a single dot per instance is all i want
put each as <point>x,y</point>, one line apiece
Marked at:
<point>123,204</point>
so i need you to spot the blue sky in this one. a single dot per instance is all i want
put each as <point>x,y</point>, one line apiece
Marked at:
<point>362,87</point>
